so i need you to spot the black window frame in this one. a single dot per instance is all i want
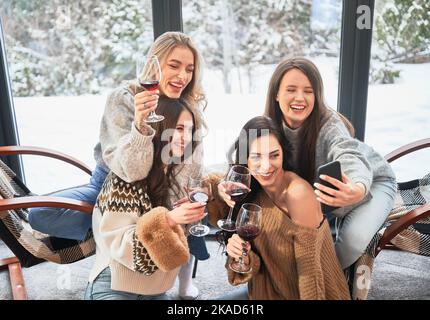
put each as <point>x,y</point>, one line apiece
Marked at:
<point>354,63</point>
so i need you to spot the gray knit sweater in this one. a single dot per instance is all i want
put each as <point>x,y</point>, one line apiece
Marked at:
<point>360,162</point>
<point>122,148</point>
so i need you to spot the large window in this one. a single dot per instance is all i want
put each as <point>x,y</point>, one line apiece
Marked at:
<point>398,109</point>
<point>64,56</point>
<point>242,41</point>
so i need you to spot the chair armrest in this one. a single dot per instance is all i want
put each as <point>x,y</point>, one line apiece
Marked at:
<point>45,201</point>
<point>18,150</point>
<point>409,148</point>
<point>401,224</point>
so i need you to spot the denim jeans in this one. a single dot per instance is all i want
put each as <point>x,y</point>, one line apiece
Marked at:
<point>73,224</point>
<point>67,223</point>
<point>100,289</point>
<point>359,225</point>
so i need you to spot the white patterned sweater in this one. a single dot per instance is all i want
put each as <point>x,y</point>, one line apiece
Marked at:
<point>143,252</point>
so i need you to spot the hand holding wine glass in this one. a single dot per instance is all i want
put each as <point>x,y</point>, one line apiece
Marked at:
<point>185,213</point>
<point>235,188</point>
<point>199,190</point>
<point>248,227</point>
<point>148,74</point>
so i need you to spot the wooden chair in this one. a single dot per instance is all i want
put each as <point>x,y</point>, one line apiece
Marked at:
<point>412,216</point>
<point>24,199</point>
<point>23,257</point>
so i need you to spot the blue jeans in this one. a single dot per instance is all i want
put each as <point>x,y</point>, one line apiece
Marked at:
<point>100,289</point>
<point>358,226</point>
<point>73,224</point>
<point>67,223</point>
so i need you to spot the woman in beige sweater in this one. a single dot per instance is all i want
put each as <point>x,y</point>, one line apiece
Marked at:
<point>293,257</point>
<point>140,244</point>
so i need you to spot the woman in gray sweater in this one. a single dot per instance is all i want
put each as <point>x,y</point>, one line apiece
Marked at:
<point>320,135</point>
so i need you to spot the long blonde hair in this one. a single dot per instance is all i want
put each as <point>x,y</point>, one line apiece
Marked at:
<point>193,93</point>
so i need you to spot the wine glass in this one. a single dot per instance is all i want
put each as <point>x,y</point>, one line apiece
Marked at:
<point>148,73</point>
<point>199,190</point>
<point>237,185</point>
<point>248,227</point>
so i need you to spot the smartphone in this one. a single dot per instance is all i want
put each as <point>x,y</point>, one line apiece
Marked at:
<point>333,170</point>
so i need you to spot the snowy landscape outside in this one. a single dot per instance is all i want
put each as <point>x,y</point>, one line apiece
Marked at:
<point>65,57</point>
<point>71,124</point>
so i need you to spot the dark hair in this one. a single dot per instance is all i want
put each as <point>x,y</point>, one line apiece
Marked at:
<point>159,180</point>
<point>313,124</point>
<point>253,129</point>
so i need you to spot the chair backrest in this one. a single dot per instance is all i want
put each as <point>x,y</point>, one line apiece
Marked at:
<point>32,247</point>
<point>410,195</point>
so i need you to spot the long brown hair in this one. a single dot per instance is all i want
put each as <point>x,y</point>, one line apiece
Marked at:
<point>312,125</point>
<point>253,129</point>
<point>162,175</point>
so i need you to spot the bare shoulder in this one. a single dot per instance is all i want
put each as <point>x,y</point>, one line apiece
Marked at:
<point>299,188</point>
<point>301,201</point>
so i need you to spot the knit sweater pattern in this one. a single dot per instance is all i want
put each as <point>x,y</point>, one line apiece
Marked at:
<point>290,261</point>
<point>359,161</point>
<point>135,240</point>
<point>122,148</point>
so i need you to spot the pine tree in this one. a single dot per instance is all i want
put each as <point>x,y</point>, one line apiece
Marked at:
<point>402,34</point>
<point>72,49</point>
<point>403,28</point>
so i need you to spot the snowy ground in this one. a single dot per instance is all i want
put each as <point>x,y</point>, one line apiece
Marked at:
<point>397,114</point>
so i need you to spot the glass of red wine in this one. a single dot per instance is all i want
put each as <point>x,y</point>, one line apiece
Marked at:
<point>237,185</point>
<point>248,227</point>
<point>199,190</point>
<point>148,73</point>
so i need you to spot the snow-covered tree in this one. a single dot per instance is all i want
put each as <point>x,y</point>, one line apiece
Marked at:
<point>403,28</point>
<point>58,47</point>
<point>325,27</point>
<point>402,33</point>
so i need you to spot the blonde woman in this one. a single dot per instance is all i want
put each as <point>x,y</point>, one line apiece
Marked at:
<point>122,142</point>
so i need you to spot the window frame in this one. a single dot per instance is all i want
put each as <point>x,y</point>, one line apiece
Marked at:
<point>354,67</point>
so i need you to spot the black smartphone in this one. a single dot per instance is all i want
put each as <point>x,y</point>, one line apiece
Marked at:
<point>333,170</point>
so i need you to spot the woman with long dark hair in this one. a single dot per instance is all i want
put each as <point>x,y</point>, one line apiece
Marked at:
<point>319,135</point>
<point>293,256</point>
<point>140,241</point>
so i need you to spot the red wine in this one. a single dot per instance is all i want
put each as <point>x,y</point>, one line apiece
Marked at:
<point>150,84</point>
<point>248,232</point>
<point>199,197</point>
<point>237,194</point>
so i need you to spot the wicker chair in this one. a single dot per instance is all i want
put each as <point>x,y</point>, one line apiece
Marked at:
<point>30,247</point>
<point>406,228</point>
<point>420,213</point>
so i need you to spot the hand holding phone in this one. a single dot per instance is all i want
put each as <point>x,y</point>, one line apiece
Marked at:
<point>335,189</point>
<point>331,169</point>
